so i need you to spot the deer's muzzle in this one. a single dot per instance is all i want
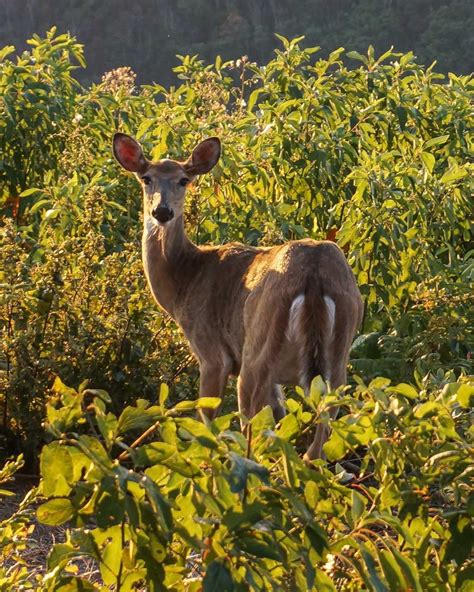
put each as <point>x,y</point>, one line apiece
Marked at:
<point>163,214</point>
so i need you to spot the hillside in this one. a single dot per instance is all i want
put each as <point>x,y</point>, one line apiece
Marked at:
<point>149,36</point>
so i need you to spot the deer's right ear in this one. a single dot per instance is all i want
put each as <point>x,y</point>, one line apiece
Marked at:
<point>129,153</point>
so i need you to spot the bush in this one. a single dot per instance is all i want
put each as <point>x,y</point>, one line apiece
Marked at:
<point>161,500</point>
<point>375,156</point>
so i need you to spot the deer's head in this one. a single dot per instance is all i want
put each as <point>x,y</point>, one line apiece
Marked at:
<point>164,182</point>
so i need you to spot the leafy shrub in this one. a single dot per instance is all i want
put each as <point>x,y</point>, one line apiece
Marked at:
<point>375,156</point>
<point>161,500</point>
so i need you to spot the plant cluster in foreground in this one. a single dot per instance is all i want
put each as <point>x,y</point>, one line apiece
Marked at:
<point>161,501</point>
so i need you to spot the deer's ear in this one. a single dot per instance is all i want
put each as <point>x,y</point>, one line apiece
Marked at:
<point>129,153</point>
<point>204,157</point>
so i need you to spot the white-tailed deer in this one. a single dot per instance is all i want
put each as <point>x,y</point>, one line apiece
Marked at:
<point>269,315</point>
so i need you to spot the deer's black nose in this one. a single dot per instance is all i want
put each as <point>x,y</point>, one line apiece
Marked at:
<point>163,214</point>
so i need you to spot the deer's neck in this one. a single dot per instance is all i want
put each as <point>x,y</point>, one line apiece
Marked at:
<point>167,252</point>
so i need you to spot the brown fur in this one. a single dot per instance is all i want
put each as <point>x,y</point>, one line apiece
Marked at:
<point>233,301</point>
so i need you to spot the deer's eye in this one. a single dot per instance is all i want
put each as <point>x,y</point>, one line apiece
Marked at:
<point>146,180</point>
<point>183,182</point>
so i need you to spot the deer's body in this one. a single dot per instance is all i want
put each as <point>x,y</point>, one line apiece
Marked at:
<point>271,316</point>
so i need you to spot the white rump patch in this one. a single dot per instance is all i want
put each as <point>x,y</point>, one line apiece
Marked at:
<point>294,318</point>
<point>331,306</point>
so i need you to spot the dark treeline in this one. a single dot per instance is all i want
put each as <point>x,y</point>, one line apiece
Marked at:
<point>147,34</point>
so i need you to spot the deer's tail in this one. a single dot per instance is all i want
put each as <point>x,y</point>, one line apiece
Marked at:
<point>317,323</point>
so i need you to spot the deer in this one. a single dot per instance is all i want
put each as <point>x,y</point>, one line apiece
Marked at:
<point>270,316</point>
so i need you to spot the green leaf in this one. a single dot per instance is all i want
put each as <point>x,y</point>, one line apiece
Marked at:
<point>465,395</point>
<point>263,420</point>
<point>358,506</point>
<point>30,191</point>
<point>61,553</point>
<point>317,538</point>
<point>402,116</point>
<point>109,508</point>
<point>355,55</point>
<point>185,406</point>
<point>335,447</point>
<point>317,390</point>
<point>290,462</point>
<point>259,548</point>
<point>134,418</point>
<point>250,514</point>
<point>6,493</point>
<point>218,578</point>
<point>391,571</point>
<point>4,51</point>
<point>406,58</point>
<point>197,430</point>
<point>436,141</point>
<point>60,388</point>
<point>453,174</point>
<point>111,558</point>
<point>56,468</point>
<point>373,575</point>
<point>164,394</point>
<point>74,584</point>
<point>460,544</point>
<point>464,579</point>
<point>405,389</point>
<point>103,395</point>
<point>209,402</point>
<point>55,511</point>
<point>324,582</point>
<point>428,409</point>
<point>311,494</point>
<point>241,469</point>
<point>429,161</point>
<point>253,98</point>
<point>409,570</point>
<point>289,427</point>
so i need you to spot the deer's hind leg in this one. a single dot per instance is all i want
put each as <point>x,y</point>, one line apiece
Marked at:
<point>334,366</point>
<point>315,449</point>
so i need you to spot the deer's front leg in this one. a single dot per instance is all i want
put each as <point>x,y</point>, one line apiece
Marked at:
<point>212,382</point>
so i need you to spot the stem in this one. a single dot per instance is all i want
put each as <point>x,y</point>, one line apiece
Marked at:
<point>120,571</point>
<point>249,449</point>
<point>43,333</point>
<point>122,342</point>
<point>10,335</point>
<point>126,453</point>
<point>369,278</point>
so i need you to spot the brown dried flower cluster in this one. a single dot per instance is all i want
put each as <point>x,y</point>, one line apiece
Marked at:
<point>119,80</point>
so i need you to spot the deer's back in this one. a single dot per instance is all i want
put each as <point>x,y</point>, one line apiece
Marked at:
<point>233,287</point>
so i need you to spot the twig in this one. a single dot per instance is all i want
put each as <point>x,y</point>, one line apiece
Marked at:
<point>126,453</point>
<point>249,449</point>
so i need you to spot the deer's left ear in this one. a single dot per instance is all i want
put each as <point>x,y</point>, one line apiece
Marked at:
<point>129,153</point>
<point>204,157</point>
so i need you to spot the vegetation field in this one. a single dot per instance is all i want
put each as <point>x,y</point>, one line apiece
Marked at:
<point>98,388</point>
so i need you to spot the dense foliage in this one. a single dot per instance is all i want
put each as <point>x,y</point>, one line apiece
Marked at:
<point>195,500</point>
<point>148,36</point>
<point>375,157</point>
